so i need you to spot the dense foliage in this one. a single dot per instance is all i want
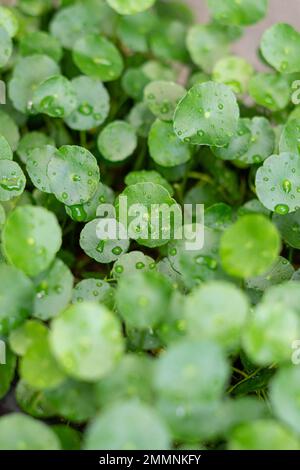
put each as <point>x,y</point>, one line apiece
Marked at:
<point>141,343</point>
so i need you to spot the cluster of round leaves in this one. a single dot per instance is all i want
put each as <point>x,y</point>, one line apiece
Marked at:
<point>183,331</point>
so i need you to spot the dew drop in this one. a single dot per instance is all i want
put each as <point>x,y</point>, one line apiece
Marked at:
<point>286,186</point>
<point>140,265</point>
<point>117,250</point>
<point>11,184</point>
<point>100,246</point>
<point>78,213</point>
<point>85,109</point>
<point>282,209</point>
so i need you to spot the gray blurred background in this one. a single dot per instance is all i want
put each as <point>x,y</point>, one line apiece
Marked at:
<point>280,11</point>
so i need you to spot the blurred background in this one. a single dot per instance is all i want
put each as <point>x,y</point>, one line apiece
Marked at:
<point>283,11</point>
<point>280,11</point>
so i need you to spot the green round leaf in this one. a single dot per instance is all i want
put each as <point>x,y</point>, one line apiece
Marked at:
<point>22,338</point>
<point>207,115</point>
<point>146,228</point>
<point>73,22</point>
<point>36,165</point>
<point>31,238</point>
<point>262,141</point>
<point>238,145</point>
<point>290,137</point>
<point>269,334</point>
<point>73,401</point>
<point>284,393</point>
<point>94,290</point>
<point>289,227</point>
<point>182,372</point>
<point>35,7</point>
<point>73,173</point>
<point>28,73</point>
<point>234,72</point>
<point>262,435</point>
<point>86,340</point>
<point>278,183</point>
<point>241,242</point>
<point>167,41</point>
<point>117,141</point>
<point>40,42</point>
<point>143,298</point>
<point>280,46</point>
<point>134,81</point>
<point>32,401</point>
<point>102,250</point>
<point>20,432</point>
<point>88,211</point>
<point>133,30</point>
<point>70,439</point>
<point>12,180</point>
<point>141,118</point>
<point>164,146</point>
<point>53,291</point>
<point>136,370</point>
<point>216,311</point>
<point>162,98</point>
<point>270,90</point>
<point>30,142</point>
<point>97,57</point>
<point>279,272</point>
<point>38,367</point>
<point>196,265</point>
<point>207,43</point>
<point>148,176</point>
<point>127,426</point>
<point>55,97</point>
<point>130,263</point>
<point>130,7</point>
<point>242,12</point>
<point>93,104</point>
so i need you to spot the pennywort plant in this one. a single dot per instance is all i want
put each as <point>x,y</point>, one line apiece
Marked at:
<point>140,342</point>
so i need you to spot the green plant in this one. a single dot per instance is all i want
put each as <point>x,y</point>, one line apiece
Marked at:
<point>139,342</point>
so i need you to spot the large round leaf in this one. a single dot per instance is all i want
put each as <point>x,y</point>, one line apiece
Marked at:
<point>127,425</point>
<point>21,432</point>
<point>97,57</point>
<point>117,141</point>
<point>73,173</point>
<point>86,340</point>
<point>55,96</point>
<point>280,47</point>
<point>27,75</point>
<point>165,147</point>
<point>241,242</point>
<point>93,104</point>
<point>207,115</point>
<point>241,12</point>
<point>278,183</point>
<point>31,238</point>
